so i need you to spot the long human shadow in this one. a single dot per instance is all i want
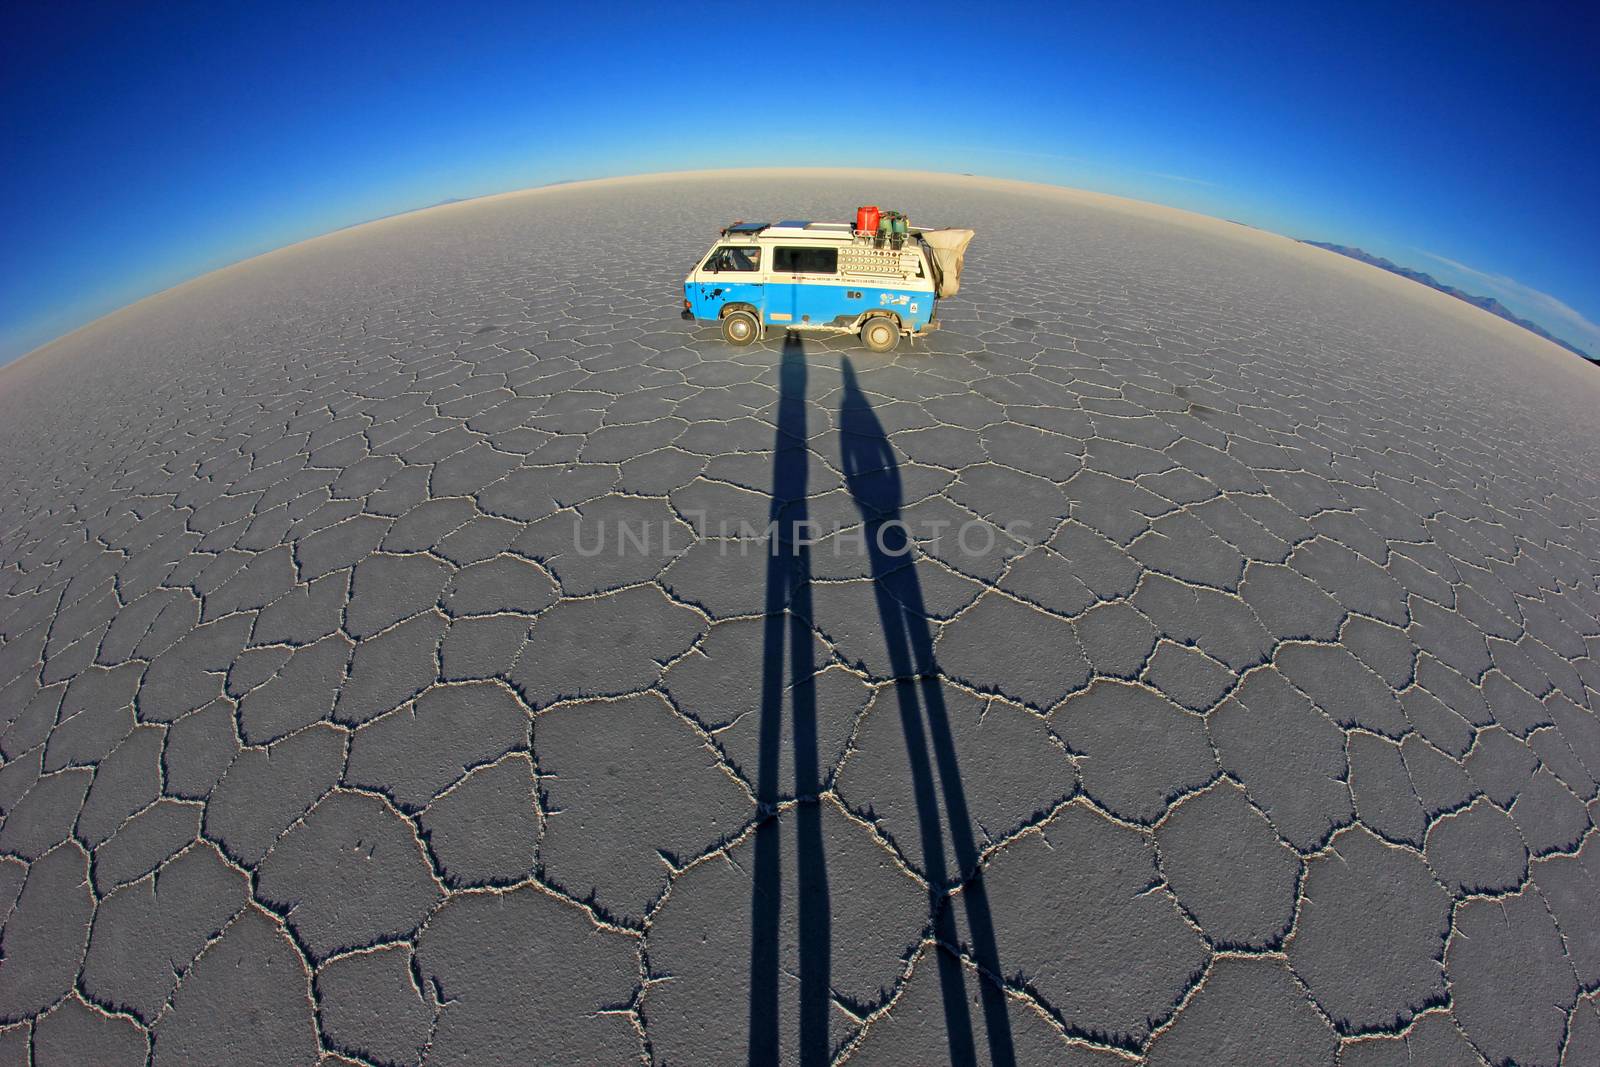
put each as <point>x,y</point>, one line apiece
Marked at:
<point>788,614</point>
<point>873,477</point>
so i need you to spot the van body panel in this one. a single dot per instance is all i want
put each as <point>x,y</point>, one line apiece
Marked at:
<point>832,304</point>
<point>708,298</point>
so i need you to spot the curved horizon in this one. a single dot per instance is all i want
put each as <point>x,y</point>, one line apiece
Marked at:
<point>1114,200</point>
<point>180,145</point>
<point>576,183</point>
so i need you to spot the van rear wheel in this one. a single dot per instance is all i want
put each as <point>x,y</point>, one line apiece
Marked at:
<point>740,328</point>
<point>881,334</point>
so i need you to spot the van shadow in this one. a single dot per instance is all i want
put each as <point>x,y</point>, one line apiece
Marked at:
<point>787,634</point>
<point>872,475</point>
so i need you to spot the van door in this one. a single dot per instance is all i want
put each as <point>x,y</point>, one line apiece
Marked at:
<point>730,275</point>
<point>806,286</point>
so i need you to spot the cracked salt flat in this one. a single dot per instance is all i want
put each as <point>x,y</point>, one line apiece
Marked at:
<point>1264,730</point>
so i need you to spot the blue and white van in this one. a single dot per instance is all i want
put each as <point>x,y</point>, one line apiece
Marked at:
<point>824,276</point>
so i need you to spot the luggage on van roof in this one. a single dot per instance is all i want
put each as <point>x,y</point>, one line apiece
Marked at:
<point>947,249</point>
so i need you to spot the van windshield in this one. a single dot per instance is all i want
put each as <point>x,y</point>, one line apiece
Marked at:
<point>734,258</point>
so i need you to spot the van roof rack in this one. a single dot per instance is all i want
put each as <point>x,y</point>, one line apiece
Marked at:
<point>843,231</point>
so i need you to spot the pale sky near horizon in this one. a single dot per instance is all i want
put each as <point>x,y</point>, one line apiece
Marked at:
<point>147,146</point>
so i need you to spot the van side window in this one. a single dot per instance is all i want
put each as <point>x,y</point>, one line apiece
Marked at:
<point>806,260</point>
<point>734,258</point>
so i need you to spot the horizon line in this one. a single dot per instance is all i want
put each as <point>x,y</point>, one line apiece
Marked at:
<point>571,183</point>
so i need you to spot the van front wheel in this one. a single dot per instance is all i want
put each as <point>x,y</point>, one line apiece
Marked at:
<point>881,334</point>
<point>740,328</point>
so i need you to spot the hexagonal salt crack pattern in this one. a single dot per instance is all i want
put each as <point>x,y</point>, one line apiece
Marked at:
<point>1372,924</point>
<point>916,1030</point>
<point>1204,844</point>
<point>807,889</point>
<point>1077,872</point>
<point>605,767</point>
<point>944,775</point>
<point>392,619</point>
<point>1247,1011</point>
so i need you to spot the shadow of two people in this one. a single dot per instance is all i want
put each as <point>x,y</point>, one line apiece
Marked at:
<point>872,477</point>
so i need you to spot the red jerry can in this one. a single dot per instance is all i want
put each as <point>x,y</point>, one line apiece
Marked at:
<point>867,220</point>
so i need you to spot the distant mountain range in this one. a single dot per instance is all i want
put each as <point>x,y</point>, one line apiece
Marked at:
<point>1487,303</point>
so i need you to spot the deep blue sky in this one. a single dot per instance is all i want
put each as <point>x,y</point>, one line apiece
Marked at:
<point>141,145</point>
